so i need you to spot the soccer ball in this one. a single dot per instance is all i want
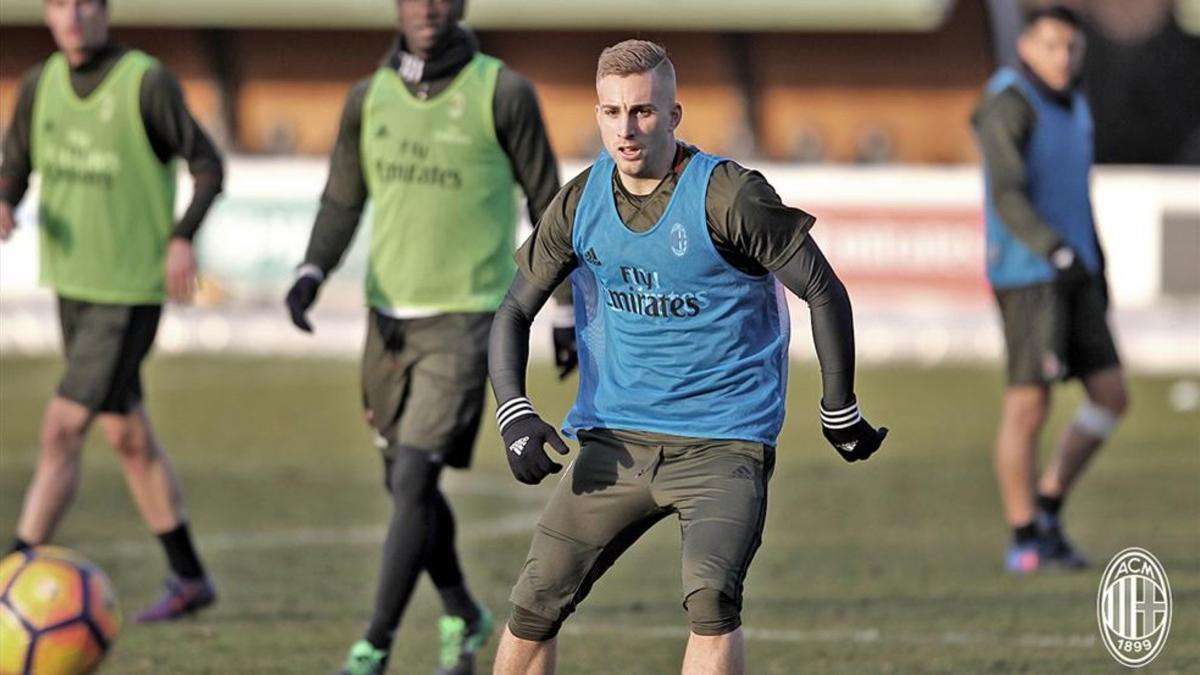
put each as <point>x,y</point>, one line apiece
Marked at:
<point>58,613</point>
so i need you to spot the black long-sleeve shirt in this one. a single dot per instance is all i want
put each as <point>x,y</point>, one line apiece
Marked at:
<point>172,131</point>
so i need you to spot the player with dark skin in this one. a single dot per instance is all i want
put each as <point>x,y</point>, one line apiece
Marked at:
<point>437,138</point>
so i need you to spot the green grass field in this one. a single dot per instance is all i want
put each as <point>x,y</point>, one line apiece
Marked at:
<point>888,566</point>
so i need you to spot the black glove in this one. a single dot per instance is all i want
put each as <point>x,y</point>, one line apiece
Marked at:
<point>849,432</point>
<point>1069,271</point>
<point>525,435</point>
<point>299,298</point>
<point>566,357</point>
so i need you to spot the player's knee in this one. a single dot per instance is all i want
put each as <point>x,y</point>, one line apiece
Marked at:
<point>61,440</point>
<point>1115,402</point>
<point>1098,420</point>
<point>530,626</point>
<point>711,612</point>
<point>412,476</point>
<point>130,440</point>
<point>63,426</point>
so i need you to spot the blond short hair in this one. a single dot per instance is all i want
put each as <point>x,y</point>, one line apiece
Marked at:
<point>634,57</point>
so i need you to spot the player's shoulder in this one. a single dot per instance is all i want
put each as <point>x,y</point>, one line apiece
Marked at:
<point>735,173</point>
<point>32,75</point>
<point>578,181</point>
<point>570,194</point>
<point>359,88</point>
<point>511,83</point>
<point>156,74</point>
<point>1008,103</point>
<point>356,96</point>
<point>730,179</point>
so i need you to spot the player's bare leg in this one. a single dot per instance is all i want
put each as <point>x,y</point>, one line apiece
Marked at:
<point>1095,421</point>
<point>715,654</point>
<point>1106,389</point>
<point>64,427</point>
<point>148,472</point>
<point>156,492</point>
<point>1021,423</point>
<point>515,656</point>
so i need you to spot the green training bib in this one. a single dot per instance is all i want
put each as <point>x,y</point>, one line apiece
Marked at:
<point>106,202</point>
<point>445,202</point>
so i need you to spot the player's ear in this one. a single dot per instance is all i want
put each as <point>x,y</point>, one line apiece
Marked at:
<point>676,115</point>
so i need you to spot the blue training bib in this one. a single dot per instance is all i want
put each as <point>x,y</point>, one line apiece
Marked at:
<point>671,337</point>
<point>1058,162</point>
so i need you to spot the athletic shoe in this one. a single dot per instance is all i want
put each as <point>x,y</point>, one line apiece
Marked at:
<point>1055,549</point>
<point>460,642</point>
<point>182,598</point>
<point>364,659</point>
<point>1022,559</point>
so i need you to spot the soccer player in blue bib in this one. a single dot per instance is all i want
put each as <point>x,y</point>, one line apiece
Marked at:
<point>678,260</point>
<point>1046,266</point>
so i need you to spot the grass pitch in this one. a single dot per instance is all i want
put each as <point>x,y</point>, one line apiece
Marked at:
<point>888,566</point>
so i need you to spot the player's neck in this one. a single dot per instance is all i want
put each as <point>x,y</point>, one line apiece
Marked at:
<point>640,186</point>
<point>79,58</point>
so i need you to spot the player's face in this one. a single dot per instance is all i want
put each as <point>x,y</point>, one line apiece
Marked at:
<point>1053,50</point>
<point>637,115</point>
<point>77,25</point>
<point>425,23</point>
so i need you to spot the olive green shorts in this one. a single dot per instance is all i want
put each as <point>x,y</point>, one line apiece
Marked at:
<point>423,382</point>
<point>104,347</point>
<point>616,489</point>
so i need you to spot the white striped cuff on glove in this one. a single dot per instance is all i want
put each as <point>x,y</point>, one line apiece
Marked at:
<point>512,410</point>
<point>840,419</point>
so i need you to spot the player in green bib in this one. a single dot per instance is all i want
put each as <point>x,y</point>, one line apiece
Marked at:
<point>101,125</point>
<point>440,139</point>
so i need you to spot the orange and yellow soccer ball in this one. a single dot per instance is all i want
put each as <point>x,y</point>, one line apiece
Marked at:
<point>58,613</point>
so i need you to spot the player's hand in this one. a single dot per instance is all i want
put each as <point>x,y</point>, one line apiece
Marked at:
<point>525,436</point>
<point>181,270</point>
<point>7,223</point>
<point>849,432</point>
<point>300,297</point>
<point>566,357</point>
<point>1069,271</point>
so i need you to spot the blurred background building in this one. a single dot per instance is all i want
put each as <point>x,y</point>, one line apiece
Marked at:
<point>870,81</point>
<point>856,110</point>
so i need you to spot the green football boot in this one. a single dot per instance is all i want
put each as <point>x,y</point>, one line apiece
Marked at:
<point>460,642</point>
<point>364,659</point>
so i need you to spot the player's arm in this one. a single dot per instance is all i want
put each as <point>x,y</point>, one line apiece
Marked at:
<point>341,208</point>
<point>524,432</point>
<point>173,132</point>
<point>755,222</point>
<point>1003,124</point>
<point>808,275</point>
<point>521,131</point>
<point>544,262</point>
<point>17,162</point>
